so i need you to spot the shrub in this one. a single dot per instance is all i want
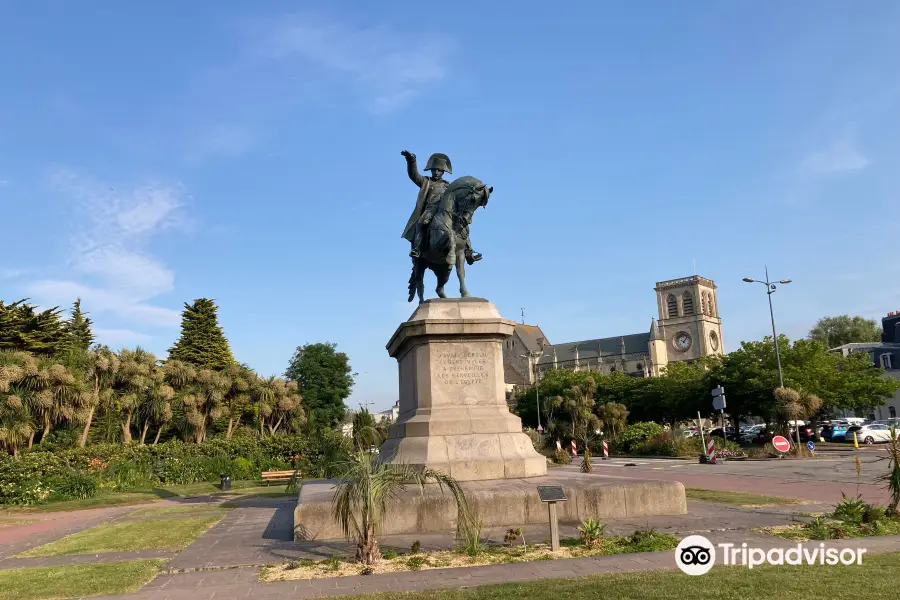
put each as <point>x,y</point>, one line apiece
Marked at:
<point>591,531</point>
<point>37,474</point>
<point>77,486</point>
<point>872,514</point>
<point>650,540</point>
<point>562,457</point>
<point>674,445</point>
<point>389,555</point>
<point>850,510</point>
<point>414,563</point>
<point>511,536</point>
<point>416,547</point>
<point>241,468</point>
<point>638,433</point>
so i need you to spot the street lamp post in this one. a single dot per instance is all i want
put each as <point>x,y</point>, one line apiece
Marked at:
<point>770,289</point>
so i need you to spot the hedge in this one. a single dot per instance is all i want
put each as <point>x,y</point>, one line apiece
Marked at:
<point>38,476</point>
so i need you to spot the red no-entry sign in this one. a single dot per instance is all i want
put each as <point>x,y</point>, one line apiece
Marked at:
<point>781,443</point>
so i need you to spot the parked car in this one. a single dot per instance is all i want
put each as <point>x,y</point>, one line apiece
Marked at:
<point>749,433</point>
<point>835,432</point>
<point>764,436</point>
<point>869,434</point>
<point>729,434</point>
<point>806,433</point>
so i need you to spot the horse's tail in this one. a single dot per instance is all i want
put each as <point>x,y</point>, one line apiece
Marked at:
<point>413,279</point>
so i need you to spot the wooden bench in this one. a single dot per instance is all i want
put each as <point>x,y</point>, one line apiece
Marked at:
<point>277,476</point>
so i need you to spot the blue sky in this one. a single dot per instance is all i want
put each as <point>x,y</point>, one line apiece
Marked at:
<point>152,153</point>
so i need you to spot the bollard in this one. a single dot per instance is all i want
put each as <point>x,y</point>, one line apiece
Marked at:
<point>855,440</point>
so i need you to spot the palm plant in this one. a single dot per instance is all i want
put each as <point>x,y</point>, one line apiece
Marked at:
<point>794,404</point>
<point>365,433</point>
<point>136,379</point>
<point>239,394</point>
<point>892,478</point>
<point>578,403</point>
<point>16,427</point>
<point>368,484</point>
<point>99,374</point>
<point>278,402</point>
<point>156,407</point>
<point>614,417</point>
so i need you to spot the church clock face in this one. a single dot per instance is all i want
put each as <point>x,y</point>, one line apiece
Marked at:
<point>682,340</point>
<point>714,341</point>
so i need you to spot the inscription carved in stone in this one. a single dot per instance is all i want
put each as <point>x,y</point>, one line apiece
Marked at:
<point>462,368</point>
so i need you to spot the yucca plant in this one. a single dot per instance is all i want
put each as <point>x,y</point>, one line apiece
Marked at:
<point>891,479</point>
<point>591,531</point>
<point>368,484</point>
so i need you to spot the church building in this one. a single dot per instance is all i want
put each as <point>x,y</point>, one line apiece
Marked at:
<point>687,327</point>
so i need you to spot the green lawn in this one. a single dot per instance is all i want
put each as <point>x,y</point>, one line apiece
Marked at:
<point>76,581</point>
<point>106,500</point>
<point>207,489</point>
<point>188,509</point>
<point>127,536</point>
<point>722,583</point>
<point>238,489</point>
<point>739,498</point>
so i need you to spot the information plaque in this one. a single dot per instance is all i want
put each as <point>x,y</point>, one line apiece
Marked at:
<point>551,493</point>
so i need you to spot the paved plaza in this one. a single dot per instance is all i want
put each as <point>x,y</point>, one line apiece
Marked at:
<point>226,560</point>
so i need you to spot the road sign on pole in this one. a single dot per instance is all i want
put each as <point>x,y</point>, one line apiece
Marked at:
<point>574,449</point>
<point>718,394</point>
<point>781,443</point>
<point>811,446</point>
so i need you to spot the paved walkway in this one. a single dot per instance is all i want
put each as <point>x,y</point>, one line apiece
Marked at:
<point>226,560</point>
<point>713,477</point>
<point>243,583</point>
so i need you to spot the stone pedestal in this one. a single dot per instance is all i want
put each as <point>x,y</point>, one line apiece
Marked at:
<point>453,413</point>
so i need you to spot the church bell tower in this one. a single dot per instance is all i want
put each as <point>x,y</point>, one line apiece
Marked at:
<point>689,322</point>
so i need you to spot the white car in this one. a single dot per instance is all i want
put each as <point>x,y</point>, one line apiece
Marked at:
<point>869,434</point>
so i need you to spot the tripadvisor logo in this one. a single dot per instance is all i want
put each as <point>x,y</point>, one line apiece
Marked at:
<point>696,555</point>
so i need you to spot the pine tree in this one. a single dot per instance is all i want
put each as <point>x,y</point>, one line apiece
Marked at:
<point>24,329</point>
<point>202,342</point>
<point>78,329</point>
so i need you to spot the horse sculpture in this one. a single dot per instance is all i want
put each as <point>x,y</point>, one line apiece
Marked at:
<point>447,237</point>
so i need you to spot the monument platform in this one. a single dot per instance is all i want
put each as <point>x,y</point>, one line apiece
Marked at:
<point>453,413</point>
<point>498,503</point>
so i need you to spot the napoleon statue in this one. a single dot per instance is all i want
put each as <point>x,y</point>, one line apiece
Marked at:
<point>438,229</point>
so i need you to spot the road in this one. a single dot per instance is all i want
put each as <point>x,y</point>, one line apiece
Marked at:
<point>823,478</point>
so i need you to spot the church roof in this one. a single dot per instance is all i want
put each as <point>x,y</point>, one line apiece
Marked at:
<point>611,347</point>
<point>530,334</point>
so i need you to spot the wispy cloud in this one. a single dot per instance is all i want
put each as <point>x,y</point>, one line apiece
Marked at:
<point>112,269</point>
<point>226,141</point>
<point>8,273</point>
<point>389,67</point>
<point>841,155</point>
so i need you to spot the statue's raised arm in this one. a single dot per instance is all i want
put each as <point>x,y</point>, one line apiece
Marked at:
<point>430,191</point>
